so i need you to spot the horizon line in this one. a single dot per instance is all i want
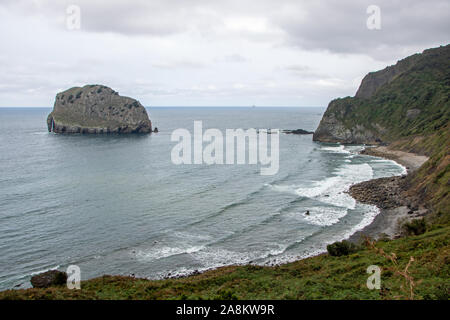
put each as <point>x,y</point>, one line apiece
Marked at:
<point>181,106</point>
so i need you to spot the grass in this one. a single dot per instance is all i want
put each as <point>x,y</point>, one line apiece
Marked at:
<point>320,277</point>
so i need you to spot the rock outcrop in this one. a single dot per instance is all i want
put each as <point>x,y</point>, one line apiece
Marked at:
<point>97,109</point>
<point>297,131</point>
<point>332,128</point>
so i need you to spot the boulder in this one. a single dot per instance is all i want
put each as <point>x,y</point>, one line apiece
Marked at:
<point>95,109</point>
<point>49,279</point>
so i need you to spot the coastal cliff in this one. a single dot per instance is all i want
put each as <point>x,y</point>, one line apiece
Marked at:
<point>407,108</point>
<point>97,109</point>
<point>408,99</point>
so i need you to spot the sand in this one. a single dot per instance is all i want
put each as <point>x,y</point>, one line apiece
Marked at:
<point>411,161</point>
<point>388,221</point>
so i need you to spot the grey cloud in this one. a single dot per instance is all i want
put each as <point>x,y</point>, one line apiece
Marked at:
<point>340,26</point>
<point>219,42</point>
<point>136,17</point>
<point>335,26</point>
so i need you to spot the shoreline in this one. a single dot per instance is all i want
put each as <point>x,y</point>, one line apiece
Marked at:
<point>385,223</point>
<point>388,195</point>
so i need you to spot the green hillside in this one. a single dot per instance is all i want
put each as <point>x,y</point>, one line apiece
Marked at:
<point>423,90</point>
<point>406,106</point>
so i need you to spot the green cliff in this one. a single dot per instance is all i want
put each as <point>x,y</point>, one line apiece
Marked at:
<point>409,99</point>
<point>406,106</point>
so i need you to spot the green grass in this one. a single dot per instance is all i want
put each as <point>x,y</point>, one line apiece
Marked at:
<point>320,277</point>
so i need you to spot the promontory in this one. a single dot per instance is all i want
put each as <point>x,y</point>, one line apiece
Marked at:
<point>97,109</point>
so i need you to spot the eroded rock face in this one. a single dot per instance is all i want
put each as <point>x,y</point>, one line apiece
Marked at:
<point>333,129</point>
<point>97,109</point>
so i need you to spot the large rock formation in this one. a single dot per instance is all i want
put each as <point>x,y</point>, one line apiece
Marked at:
<point>409,98</point>
<point>97,109</point>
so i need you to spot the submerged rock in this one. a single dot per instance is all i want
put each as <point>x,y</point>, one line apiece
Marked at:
<point>297,131</point>
<point>49,279</point>
<point>97,109</point>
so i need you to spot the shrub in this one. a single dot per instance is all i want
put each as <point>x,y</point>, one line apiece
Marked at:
<point>342,248</point>
<point>415,227</point>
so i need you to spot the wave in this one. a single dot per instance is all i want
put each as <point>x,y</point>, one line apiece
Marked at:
<point>335,149</point>
<point>212,258</point>
<point>333,190</point>
<point>283,188</point>
<point>44,270</point>
<point>240,202</point>
<point>165,252</point>
<point>321,216</point>
<point>331,194</point>
<point>381,160</point>
<point>333,203</point>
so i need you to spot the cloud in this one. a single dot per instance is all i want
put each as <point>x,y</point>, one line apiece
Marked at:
<point>340,26</point>
<point>186,64</point>
<point>188,52</point>
<point>304,71</point>
<point>335,26</point>
<point>235,58</point>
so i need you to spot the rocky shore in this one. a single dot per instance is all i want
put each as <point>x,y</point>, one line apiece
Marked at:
<point>389,195</point>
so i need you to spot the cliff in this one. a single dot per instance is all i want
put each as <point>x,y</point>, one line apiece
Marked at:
<point>407,107</point>
<point>408,99</point>
<point>97,109</point>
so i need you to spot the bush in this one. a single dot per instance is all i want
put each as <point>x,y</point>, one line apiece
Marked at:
<point>342,248</point>
<point>415,227</point>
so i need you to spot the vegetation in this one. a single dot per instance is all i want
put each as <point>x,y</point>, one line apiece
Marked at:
<point>320,277</point>
<point>415,227</point>
<point>424,88</point>
<point>342,248</point>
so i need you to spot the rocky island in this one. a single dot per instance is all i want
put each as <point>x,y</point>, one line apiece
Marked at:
<point>97,109</point>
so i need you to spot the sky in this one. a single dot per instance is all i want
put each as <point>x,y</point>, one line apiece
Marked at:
<point>206,52</point>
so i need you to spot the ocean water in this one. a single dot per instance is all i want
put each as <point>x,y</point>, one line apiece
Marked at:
<point>118,205</point>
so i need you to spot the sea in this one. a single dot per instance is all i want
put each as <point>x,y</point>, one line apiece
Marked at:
<point>117,204</point>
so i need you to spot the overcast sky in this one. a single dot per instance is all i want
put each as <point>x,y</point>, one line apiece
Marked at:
<point>206,52</point>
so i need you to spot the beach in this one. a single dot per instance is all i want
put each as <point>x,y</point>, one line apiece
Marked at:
<point>389,195</point>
